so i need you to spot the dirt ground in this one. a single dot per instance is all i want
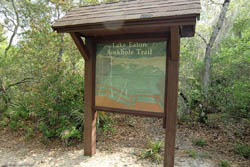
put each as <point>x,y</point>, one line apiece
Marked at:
<point>118,149</point>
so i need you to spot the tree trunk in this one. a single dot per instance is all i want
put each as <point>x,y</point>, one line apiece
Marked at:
<point>59,58</point>
<point>16,26</point>
<point>216,30</point>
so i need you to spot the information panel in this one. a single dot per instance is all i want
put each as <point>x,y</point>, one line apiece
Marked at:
<point>131,75</point>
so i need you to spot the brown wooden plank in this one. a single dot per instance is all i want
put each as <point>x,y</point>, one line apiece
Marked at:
<point>134,29</point>
<point>89,101</point>
<point>130,28</point>
<point>129,8</point>
<point>171,93</point>
<point>130,112</point>
<point>122,19</point>
<point>79,44</point>
<point>110,6</point>
<point>154,7</point>
<point>127,15</point>
<point>153,26</point>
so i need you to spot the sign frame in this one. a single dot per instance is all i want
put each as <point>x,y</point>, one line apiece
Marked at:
<point>153,38</point>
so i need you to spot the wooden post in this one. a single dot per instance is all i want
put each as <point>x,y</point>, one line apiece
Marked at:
<point>171,94</point>
<point>89,99</point>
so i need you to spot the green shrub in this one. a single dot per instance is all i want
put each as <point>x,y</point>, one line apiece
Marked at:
<point>192,153</point>
<point>13,124</point>
<point>230,76</point>
<point>199,142</point>
<point>29,132</point>
<point>54,103</point>
<point>224,164</point>
<point>196,154</point>
<point>228,91</point>
<point>183,117</point>
<point>132,121</point>
<point>70,133</point>
<point>153,151</point>
<point>4,121</point>
<point>104,122</point>
<point>243,150</point>
<point>3,106</point>
<point>47,132</point>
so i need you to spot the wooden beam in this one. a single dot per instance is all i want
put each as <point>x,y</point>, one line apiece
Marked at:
<point>80,45</point>
<point>139,26</point>
<point>131,112</point>
<point>171,93</point>
<point>89,100</point>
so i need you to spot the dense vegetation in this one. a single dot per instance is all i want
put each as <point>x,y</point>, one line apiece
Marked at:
<point>228,91</point>
<point>41,72</point>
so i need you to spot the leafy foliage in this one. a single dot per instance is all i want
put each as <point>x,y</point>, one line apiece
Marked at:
<point>197,154</point>
<point>52,99</point>
<point>200,142</point>
<point>104,122</point>
<point>243,150</point>
<point>153,151</point>
<point>224,164</point>
<point>230,66</point>
<point>231,76</point>
<point>192,153</point>
<point>50,96</point>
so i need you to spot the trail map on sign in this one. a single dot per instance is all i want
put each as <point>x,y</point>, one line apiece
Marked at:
<point>131,75</point>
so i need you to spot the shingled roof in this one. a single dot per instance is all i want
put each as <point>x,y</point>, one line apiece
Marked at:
<point>128,12</point>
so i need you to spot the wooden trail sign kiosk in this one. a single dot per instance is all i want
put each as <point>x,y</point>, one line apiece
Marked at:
<point>131,52</point>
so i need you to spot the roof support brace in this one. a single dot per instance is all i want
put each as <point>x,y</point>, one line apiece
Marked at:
<point>80,45</point>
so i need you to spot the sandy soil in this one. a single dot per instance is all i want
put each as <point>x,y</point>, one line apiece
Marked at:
<point>16,153</point>
<point>118,149</point>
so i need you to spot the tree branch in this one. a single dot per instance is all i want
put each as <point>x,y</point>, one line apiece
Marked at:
<point>2,88</point>
<point>10,19</point>
<point>210,44</point>
<point>7,28</point>
<point>8,11</point>
<point>15,29</point>
<point>220,22</point>
<point>216,3</point>
<point>183,97</point>
<point>18,83</point>
<point>204,40</point>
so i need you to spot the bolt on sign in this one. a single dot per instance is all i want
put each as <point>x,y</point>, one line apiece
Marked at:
<point>131,75</point>
<point>131,52</point>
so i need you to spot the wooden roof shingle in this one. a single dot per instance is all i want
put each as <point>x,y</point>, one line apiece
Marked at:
<point>127,11</point>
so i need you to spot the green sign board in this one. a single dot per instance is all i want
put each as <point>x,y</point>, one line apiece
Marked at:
<point>131,75</point>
